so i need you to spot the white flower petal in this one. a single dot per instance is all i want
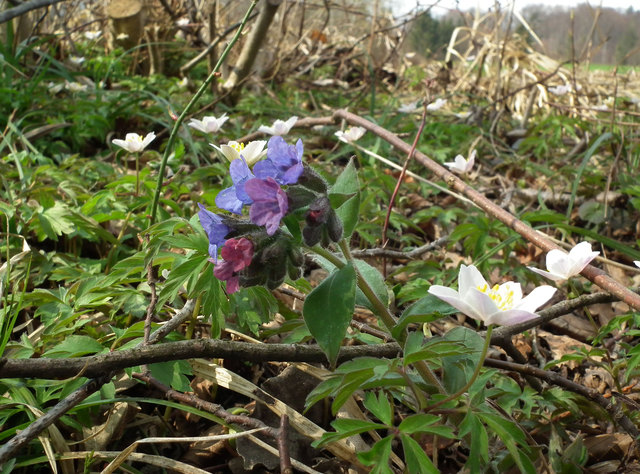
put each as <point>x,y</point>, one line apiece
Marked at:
<point>470,277</point>
<point>482,303</point>
<point>229,152</point>
<point>148,139</point>
<point>254,151</point>
<point>563,266</point>
<point>550,276</point>
<point>637,262</point>
<point>351,134</point>
<point>453,298</point>
<point>436,105</point>
<point>267,130</point>
<point>538,297</point>
<point>197,124</point>
<point>133,142</point>
<point>581,255</point>
<point>279,127</point>
<point>510,317</point>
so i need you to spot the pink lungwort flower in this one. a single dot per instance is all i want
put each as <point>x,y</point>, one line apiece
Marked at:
<point>562,266</point>
<point>270,203</point>
<point>500,304</point>
<point>237,255</point>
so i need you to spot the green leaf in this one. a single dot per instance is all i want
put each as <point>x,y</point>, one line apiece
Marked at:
<point>378,455</point>
<point>74,346</point>
<point>457,368</point>
<point>415,457</point>
<point>376,281</point>
<point>253,307</point>
<point>423,423</point>
<point>338,199</point>
<point>173,374</point>
<point>425,310</point>
<point>578,175</point>
<point>186,270</point>
<point>55,221</point>
<point>479,452</point>
<point>347,184</point>
<point>510,434</point>
<point>328,310</point>
<point>346,427</point>
<point>370,274</point>
<point>379,406</point>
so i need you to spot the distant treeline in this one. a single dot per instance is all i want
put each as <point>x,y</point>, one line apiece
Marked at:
<point>601,35</point>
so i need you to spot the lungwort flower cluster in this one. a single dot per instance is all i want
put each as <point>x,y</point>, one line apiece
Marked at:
<point>255,251</point>
<point>499,304</point>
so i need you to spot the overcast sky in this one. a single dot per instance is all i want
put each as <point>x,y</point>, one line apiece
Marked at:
<point>404,6</point>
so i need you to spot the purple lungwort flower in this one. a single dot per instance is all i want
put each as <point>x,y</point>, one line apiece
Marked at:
<point>232,199</point>
<point>270,203</point>
<point>283,163</point>
<point>215,229</point>
<point>237,254</point>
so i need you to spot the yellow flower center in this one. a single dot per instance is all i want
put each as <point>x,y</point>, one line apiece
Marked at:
<point>502,296</point>
<point>237,147</point>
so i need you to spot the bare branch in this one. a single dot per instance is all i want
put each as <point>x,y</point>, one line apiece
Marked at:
<point>24,8</point>
<point>596,275</point>
<point>614,410</point>
<point>199,348</point>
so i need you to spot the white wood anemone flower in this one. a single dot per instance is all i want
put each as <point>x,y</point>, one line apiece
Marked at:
<point>462,165</point>
<point>279,127</point>
<point>251,152</point>
<point>133,142</point>
<point>436,105</point>
<point>208,124</point>
<point>409,108</point>
<point>559,90</point>
<point>92,35</point>
<point>500,304</point>
<point>562,265</point>
<point>351,134</point>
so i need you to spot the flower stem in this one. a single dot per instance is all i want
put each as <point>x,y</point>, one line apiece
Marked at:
<point>380,308</point>
<point>137,174</point>
<point>476,372</point>
<point>185,112</point>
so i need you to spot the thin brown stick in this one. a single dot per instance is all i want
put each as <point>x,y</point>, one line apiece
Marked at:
<point>101,377</point>
<point>306,122</point>
<point>283,445</point>
<point>182,350</point>
<point>11,447</point>
<point>200,404</point>
<point>614,410</point>
<point>152,277</point>
<point>557,310</point>
<point>398,183</point>
<point>24,8</point>
<point>597,276</point>
<point>98,365</point>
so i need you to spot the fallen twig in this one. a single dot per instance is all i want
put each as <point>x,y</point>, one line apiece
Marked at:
<point>597,276</point>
